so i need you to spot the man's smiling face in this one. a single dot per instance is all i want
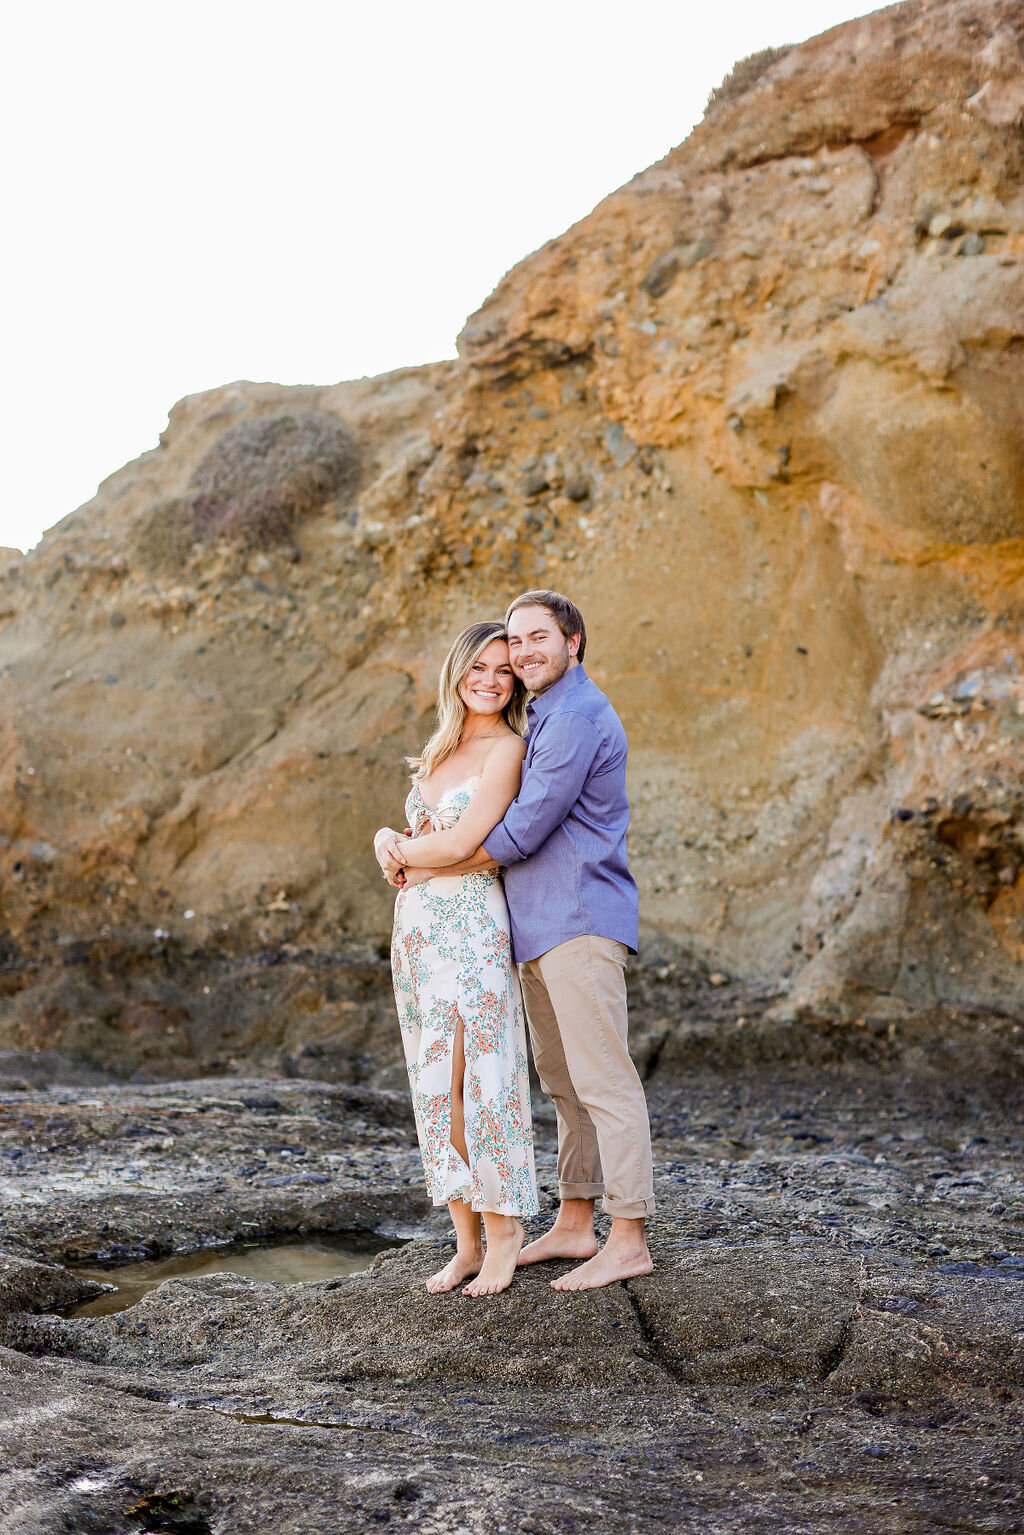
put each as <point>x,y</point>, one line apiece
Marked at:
<point>538,650</point>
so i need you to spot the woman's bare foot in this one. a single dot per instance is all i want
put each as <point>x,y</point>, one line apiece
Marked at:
<point>499,1265</point>
<point>464,1265</point>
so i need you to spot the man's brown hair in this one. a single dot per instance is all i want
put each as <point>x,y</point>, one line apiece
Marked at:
<point>565,613</point>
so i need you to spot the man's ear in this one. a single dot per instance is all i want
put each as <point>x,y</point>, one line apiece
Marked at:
<point>574,644</point>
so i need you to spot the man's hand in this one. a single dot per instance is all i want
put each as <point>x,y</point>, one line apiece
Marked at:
<point>410,877</point>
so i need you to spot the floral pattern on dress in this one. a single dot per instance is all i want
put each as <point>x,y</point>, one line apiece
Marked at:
<point>451,959</point>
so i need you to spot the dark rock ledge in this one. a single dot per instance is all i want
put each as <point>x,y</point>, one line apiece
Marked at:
<point>833,1338</point>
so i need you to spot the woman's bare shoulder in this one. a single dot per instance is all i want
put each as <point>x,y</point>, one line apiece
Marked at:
<point>507,748</point>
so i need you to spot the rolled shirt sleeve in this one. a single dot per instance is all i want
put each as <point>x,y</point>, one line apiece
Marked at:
<point>566,746</point>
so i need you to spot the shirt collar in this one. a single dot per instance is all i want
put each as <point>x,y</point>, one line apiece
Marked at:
<point>538,707</point>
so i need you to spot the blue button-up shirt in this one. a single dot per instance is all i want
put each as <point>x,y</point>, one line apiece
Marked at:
<point>563,840</point>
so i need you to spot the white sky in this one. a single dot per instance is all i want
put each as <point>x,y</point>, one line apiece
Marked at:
<point>225,189</point>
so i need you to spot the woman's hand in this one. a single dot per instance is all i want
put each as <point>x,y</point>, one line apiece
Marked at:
<point>390,852</point>
<point>385,848</point>
<point>380,838</point>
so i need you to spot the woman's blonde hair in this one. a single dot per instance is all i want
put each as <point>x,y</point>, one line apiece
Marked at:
<point>451,711</point>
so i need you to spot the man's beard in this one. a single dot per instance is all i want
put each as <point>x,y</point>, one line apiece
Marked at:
<point>553,672</point>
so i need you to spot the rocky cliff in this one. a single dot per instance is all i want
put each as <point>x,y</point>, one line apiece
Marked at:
<point>760,414</point>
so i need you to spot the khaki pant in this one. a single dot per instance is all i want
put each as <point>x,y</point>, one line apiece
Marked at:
<point>575,998</point>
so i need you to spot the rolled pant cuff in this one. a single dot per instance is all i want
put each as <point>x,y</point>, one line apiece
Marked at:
<point>628,1209</point>
<point>580,1190</point>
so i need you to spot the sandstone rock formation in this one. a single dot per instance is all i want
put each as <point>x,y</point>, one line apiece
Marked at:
<point>760,413</point>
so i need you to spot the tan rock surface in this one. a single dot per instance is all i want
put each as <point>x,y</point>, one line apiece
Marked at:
<point>761,414</point>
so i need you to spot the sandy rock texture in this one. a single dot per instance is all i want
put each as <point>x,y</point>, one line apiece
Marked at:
<point>831,1339</point>
<point>760,413</point>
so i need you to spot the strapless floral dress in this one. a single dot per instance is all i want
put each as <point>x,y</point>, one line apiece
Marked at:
<point>451,958</point>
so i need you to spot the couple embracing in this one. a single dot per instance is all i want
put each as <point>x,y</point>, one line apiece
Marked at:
<point>534,791</point>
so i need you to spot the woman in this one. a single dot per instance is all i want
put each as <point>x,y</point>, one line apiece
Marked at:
<point>456,989</point>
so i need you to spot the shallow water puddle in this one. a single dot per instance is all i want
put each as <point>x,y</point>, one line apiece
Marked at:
<point>274,1420</point>
<point>283,1263</point>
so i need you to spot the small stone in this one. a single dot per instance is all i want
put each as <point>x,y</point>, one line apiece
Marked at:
<point>620,445</point>
<point>997,1207</point>
<point>972,245</point>
<point>716,978</point>
<point>661,274</point>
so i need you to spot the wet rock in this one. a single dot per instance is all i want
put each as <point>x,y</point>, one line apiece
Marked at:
<point>26,1285</point>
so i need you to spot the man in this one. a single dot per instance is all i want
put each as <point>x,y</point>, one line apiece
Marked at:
<point>574,911</point>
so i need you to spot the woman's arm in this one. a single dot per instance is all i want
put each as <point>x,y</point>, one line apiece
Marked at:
<point>475,864</point>
<point>406,878</point>
<point>499,785</point>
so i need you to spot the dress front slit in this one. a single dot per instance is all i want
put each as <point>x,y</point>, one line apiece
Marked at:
<point>451,962</point>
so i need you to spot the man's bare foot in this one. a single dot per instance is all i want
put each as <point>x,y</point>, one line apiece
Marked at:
<point>464,1265</point>
<point>499,1260</point>
<point>559,1243</point>
<point>609,1266</point>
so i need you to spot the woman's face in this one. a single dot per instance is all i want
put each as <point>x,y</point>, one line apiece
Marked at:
<point>488,685</point>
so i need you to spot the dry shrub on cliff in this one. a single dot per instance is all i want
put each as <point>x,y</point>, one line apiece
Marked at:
<point>164,533</point>
<point>261,475</point>
<point>743,76</point>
